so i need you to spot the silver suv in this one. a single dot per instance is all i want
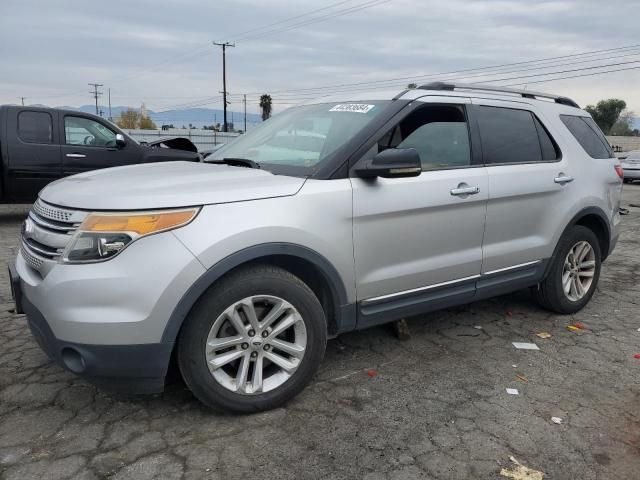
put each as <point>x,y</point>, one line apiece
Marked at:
<point>335,215</point>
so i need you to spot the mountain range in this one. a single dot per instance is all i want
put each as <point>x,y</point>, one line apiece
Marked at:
<point>198,117</point>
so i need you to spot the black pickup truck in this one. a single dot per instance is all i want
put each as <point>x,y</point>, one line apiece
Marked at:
<point>40,145</point>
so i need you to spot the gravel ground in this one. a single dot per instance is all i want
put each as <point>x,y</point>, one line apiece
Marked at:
<point>434,406</point>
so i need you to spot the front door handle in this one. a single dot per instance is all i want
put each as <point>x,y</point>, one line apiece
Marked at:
<point>76,155</point>
<point>562,179</point>
<point>463,190</point>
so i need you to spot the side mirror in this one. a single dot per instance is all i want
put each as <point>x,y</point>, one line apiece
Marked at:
<point>392,163</point>
<point>120,140</point>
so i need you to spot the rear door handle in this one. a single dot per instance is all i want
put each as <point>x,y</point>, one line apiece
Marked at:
<point>463,190</point>
<point>76,155</point>
<point>562,179</point>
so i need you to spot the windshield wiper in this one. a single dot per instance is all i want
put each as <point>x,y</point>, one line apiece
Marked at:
<point>237,162</point>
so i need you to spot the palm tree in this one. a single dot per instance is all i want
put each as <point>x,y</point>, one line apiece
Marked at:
<point>265,105</point>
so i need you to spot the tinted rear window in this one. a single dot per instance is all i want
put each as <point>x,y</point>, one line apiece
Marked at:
<point>588,135</point>
<point>508,136</point>
<point>35,127</point>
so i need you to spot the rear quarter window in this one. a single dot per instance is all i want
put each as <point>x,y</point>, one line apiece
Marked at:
<point>588,135</point>
<point>512,135</point>
<point>35,127</point>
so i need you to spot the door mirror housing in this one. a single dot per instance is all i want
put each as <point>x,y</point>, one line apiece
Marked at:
<point>392,163</point>
<point>121,141</point>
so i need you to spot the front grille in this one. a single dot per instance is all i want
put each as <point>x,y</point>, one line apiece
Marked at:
<point>46,233</point>
<point>51,225</point>
<point>51,212</point>
<point>33,261</point>
<point>42,249</point>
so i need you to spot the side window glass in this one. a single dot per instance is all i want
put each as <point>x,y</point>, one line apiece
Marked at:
<point>550,150</point>
<point>588,135</point>
<point>438,132</point>
<point>508,136</point>
<point>83,131</point>
<point>35,127</point>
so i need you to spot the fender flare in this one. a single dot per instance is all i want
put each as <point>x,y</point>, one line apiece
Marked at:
<point>182,309</point>
<point>597,211</point>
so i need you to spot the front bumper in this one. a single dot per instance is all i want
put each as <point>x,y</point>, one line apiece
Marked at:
<point>105,321</point>
<point>132,369</point>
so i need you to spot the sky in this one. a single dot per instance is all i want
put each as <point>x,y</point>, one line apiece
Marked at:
<point>161,53</point>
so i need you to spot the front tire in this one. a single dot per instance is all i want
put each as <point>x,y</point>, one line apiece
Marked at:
<point>253,340</point>
<point>574,273</point>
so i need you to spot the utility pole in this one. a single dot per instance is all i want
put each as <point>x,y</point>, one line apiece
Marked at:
<point>110,117</point>
<point>22,100</point>
<point>95,93</point>
<point>224,46</point>
<point>244,100</point>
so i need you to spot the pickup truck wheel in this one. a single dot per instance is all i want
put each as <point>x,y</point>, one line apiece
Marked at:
<point>574,273</point>
<point>253,341</point>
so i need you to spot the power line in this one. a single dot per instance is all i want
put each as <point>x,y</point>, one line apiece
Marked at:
<point>561,71</point>
<point>577,76</point>
<point>548,73</point>
<point>159,66</point>
<point>473,77</point>
<point>95,93</point>
<point>287,20</point>
<point>110,117</point>
<point>492,70</point>
<point>201,49</point>
<point>224,46</point>
<point>337,13</point>
<point>467,70</point>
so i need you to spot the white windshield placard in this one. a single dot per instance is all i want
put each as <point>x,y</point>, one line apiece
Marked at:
<point>352,107</point>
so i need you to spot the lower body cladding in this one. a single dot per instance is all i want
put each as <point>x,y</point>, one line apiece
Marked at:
<point>105,322</point>
<point>435,297</point>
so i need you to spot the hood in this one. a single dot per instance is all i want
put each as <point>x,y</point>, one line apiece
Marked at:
<point>175,143</point>
<point>167,185</point>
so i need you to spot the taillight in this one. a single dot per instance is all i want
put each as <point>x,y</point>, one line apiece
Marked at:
<point>619,171</point>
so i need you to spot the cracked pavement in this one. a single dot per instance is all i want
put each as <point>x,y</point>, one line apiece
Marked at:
<point>434,408</point>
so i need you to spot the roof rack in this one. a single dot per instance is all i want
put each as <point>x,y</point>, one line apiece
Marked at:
<point>489,88</point>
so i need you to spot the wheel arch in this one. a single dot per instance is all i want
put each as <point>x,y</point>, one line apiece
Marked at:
<point>311,267</point>
<point>594,219</point>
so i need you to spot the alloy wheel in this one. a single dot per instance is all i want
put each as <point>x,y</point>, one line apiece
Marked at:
<point>578,271</point>
<point>256,344</point>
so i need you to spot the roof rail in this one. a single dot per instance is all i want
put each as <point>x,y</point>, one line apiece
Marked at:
<point>490,88</point>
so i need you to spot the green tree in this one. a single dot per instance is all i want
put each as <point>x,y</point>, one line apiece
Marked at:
<point>624,124</point>
<point>265,106</point>
<point>607,112</point>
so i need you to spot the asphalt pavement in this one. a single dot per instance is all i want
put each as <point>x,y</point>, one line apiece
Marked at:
<point>432,407</point>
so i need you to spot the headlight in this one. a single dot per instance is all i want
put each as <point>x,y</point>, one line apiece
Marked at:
<point>104,235</point>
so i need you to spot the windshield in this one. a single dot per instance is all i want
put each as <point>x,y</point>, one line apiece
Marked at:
<point>298,140</point>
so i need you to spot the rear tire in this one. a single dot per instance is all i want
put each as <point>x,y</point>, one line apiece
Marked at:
<point>573,274</point>
<point>272,326</point>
